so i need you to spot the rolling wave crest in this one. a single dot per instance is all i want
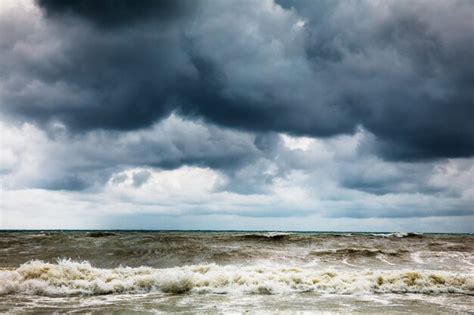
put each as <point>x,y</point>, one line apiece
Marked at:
<point>67,277</point>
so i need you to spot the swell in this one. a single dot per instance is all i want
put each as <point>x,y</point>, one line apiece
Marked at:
<point>357,252</point>
<point>108,249</point>
<point>66,278</point>
<point>399,235</point>
<point>270,236</point>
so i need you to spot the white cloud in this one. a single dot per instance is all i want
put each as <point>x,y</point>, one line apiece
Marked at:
<point>305,186</point>
<point>295,143</point>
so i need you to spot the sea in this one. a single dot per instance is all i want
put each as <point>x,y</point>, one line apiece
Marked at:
<point>235,272</point>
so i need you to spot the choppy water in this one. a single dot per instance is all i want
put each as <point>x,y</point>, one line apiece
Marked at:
<point>222,272</point>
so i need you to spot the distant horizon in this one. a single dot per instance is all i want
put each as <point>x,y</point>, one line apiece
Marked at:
<point>258,231</point>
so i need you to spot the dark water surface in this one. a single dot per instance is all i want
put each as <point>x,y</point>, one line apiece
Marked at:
<point>222,272</point>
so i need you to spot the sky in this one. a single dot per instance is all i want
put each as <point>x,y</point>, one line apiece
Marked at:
<point>318,115</point>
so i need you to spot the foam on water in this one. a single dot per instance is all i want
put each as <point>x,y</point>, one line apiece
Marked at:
<point>67,277</point>
<point>398,234</point>
<point>416,258</point>
<point>383,259</point>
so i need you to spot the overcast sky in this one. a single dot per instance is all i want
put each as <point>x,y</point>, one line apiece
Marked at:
<point>286,115</point>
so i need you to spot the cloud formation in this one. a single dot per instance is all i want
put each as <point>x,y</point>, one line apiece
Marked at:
<point>305,68</point>
<point>333,109</point>
<point>59,160</point>
<point>113,13</point>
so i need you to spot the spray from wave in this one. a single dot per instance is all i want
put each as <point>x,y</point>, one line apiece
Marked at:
<point>67,277</point>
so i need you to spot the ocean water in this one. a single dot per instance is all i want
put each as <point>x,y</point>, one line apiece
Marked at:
<point>137,272</point>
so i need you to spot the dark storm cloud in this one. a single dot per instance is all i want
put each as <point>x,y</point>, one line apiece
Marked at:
<point>113,13</point>
<point>413,86</point>
<point>395,179</point>
<point>389,68</point>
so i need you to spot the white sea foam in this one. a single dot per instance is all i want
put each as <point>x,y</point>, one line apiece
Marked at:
<point>466,260</point>
<point>273,234</point>
<point>416,257</point>
<point>68,277</point>
<point>398,234</point>
<point>345,262</point>
<point>382,258</point>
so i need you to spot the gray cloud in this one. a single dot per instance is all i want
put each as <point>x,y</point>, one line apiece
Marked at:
<point>140,178</point>
<point>265,176</point>
<point>387,67</point>
<point>104,100</point>
<point>113,13</point>
<point>78,161</point>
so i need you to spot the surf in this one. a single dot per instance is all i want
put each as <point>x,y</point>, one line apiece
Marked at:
<point>68,278</point>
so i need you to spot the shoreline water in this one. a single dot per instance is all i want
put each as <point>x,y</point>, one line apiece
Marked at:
<point>241,271</point>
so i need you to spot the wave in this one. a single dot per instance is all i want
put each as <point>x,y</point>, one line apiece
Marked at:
<point>66,278</point>
<point>398,235</point>
<point>101,234</point>
<point>357,252</point>
<point>269,236</point>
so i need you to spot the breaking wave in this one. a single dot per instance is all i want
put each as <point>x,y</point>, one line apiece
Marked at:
<point>399,235</point>
<point>67,277</point>
<point>357,252</point>
<point>269,236</point>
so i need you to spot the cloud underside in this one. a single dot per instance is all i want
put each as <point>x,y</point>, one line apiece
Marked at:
<point>286,109</point>
<point>322,68</point>
<point>178,168</point>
